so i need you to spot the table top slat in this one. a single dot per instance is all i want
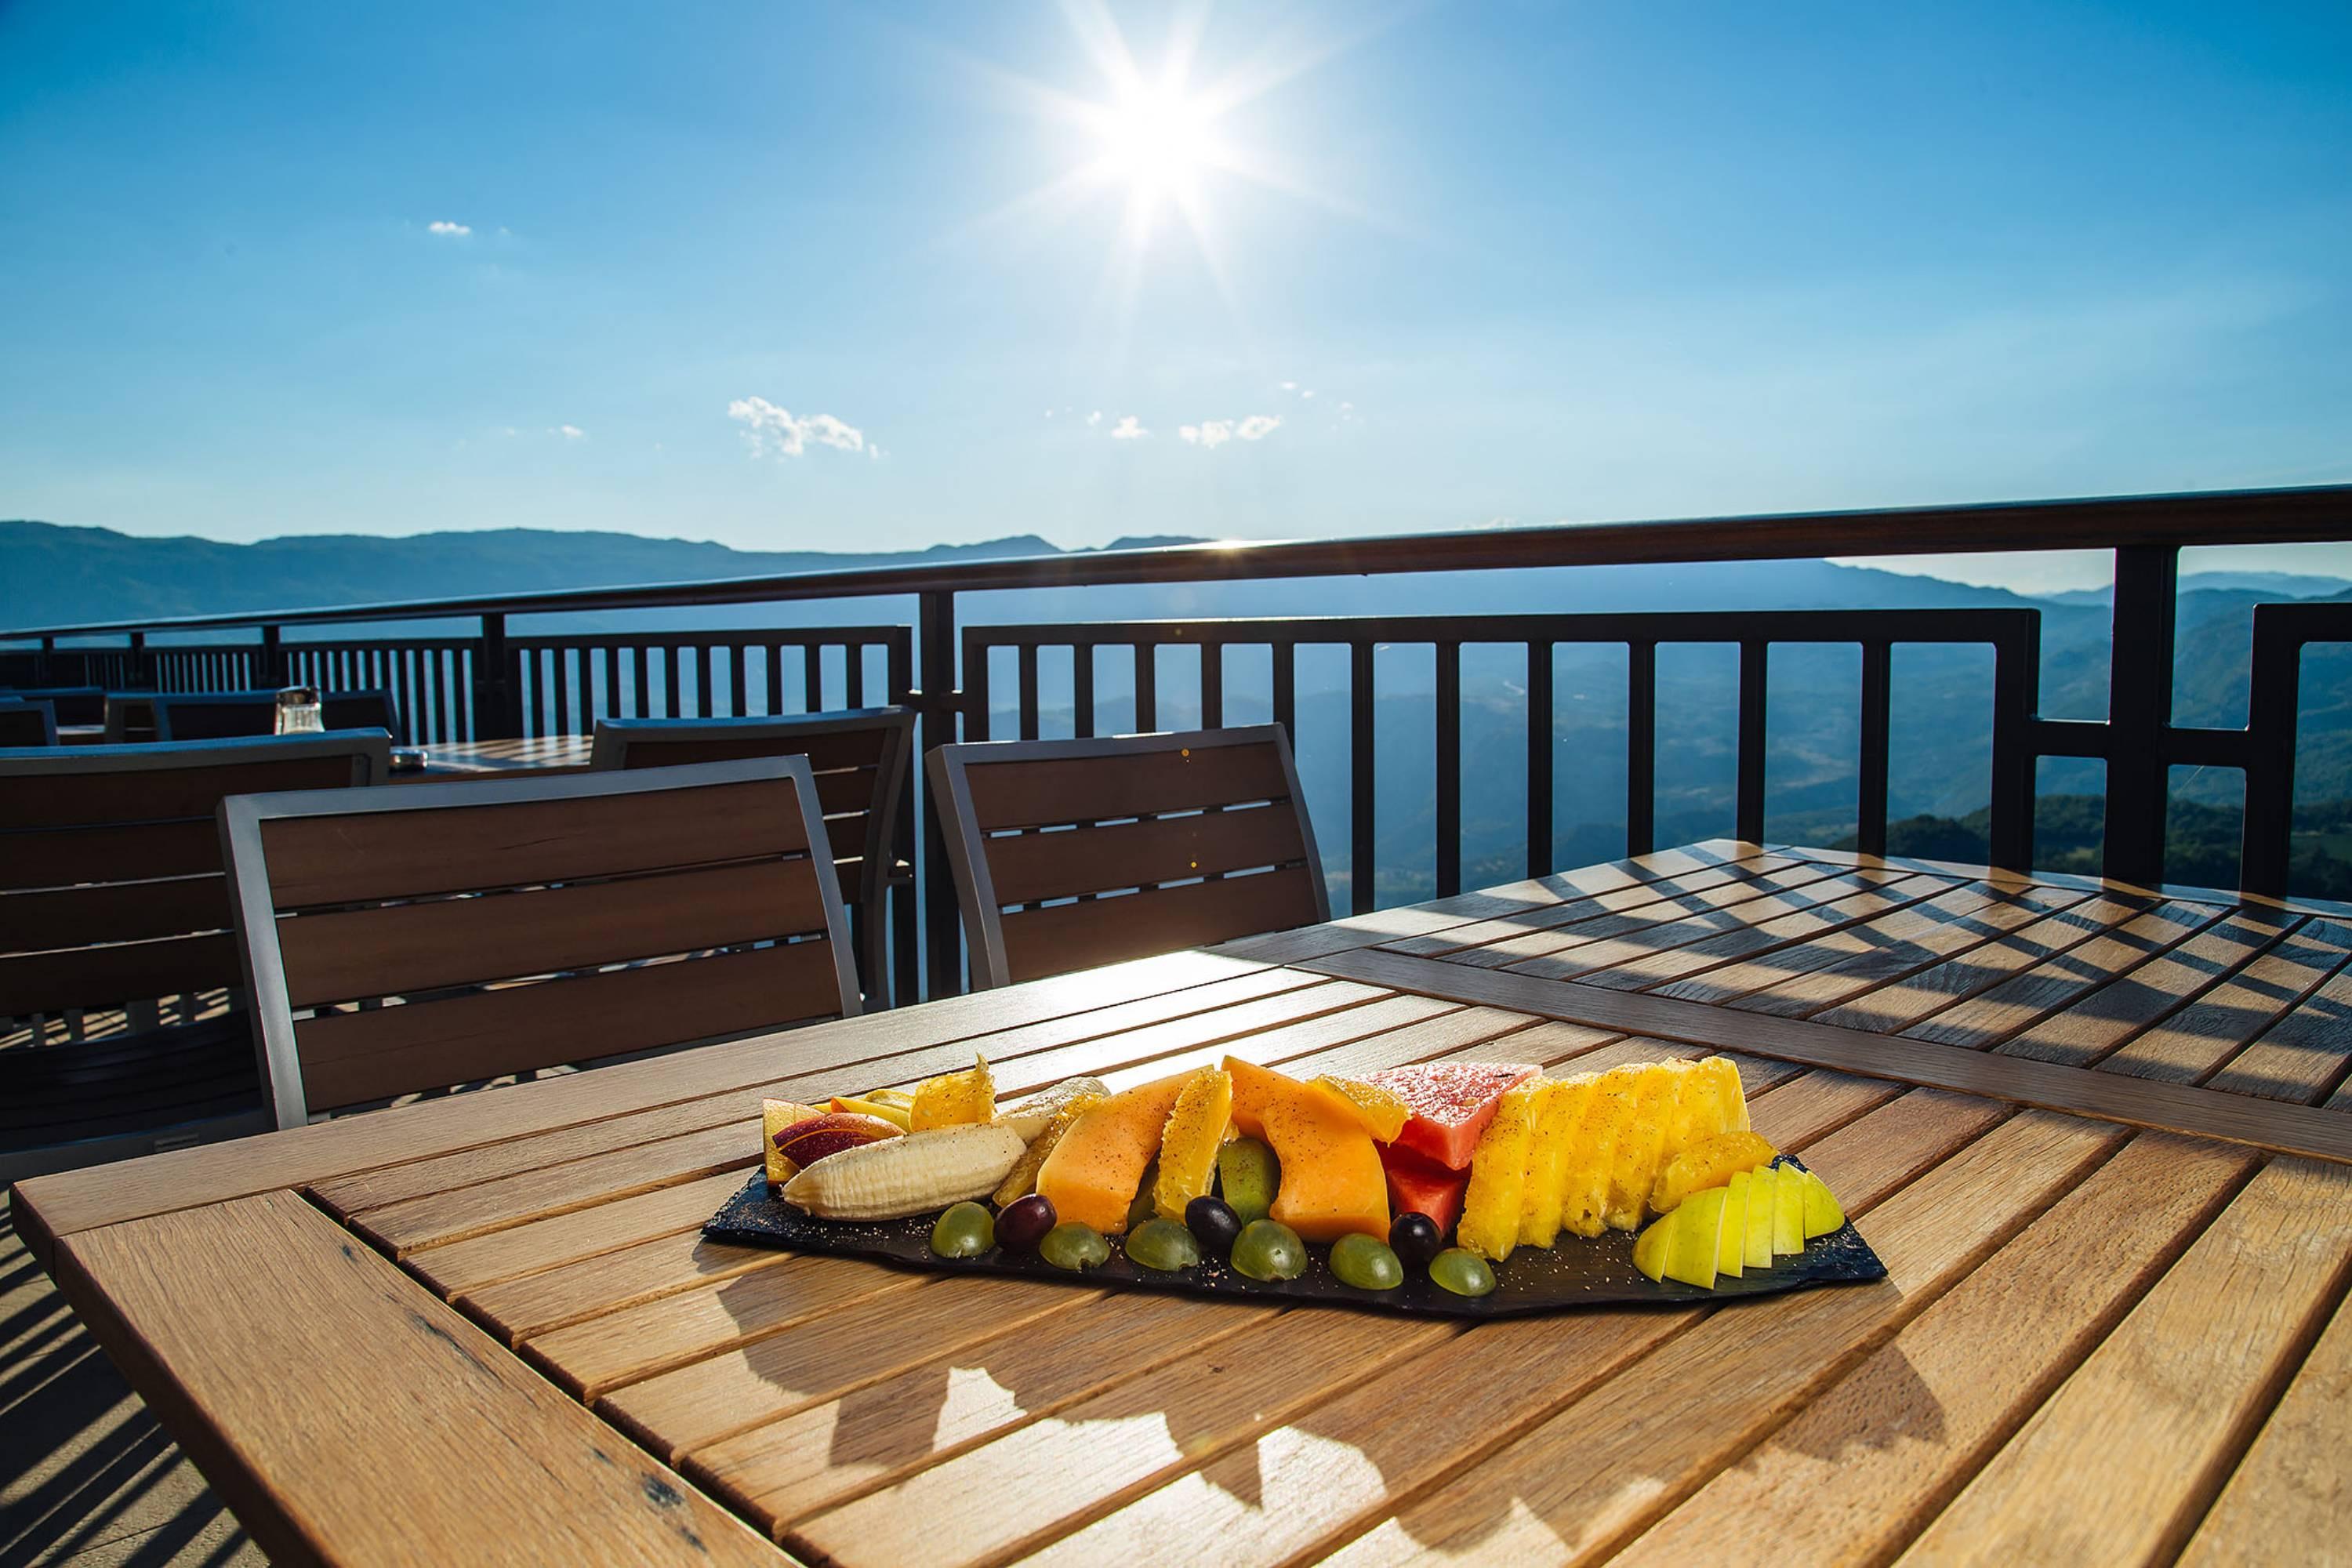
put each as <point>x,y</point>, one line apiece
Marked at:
<point>2191,1044</point>
<point>2169,1400</point>
<point>1578,951</point>
<point>249,1318</point>
<point>1754,942</point>
<point>1899,1001</point>
<point>1543,928</point>
<point>2291,1493</point>
<point>2091,1028</point>
<point>539,1243</point>
<point>1861,1469</point>
<point>516,1309</point>
<point>2303,1055</point>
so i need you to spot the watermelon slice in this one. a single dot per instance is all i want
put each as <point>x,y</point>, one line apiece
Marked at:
<point>1452,1103</point>
<point>1419,1184</point>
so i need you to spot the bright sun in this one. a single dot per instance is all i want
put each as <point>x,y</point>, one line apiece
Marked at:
<point>1156,141</point>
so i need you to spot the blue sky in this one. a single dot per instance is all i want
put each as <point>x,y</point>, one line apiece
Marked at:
<point>783,276</point>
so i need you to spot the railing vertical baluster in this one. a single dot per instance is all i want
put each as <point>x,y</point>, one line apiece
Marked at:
<point>1870,803</point>
<point>775,695</point>
<point>738,687</point>
<point>1540,753</point>
<point>936,706</point>
<point>2273,705</point>
<point>1284,659</point>
<point>496,691</point>
<point>670,683</point>
<point>854,674</point>
<point>612,709</point>
<point>1361,839</point>
<point>1147,688</point>
<point>1640,748</point>
<point>704,708</point>
<point>1026,656</point>
<point>1749,813</point>
<point>813,678</point>
<point>2139,708</point>
<point>1082,689</point>
<point>1449,769</point>
<point>2016,699</point>
<point>1213,684</point>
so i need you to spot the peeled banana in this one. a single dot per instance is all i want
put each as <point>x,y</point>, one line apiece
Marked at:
<point>1029,1118</point>
<point>919,1174</point>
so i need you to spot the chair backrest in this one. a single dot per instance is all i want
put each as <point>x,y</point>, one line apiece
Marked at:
<point>208,715</point>
<point>71,704</point>
<point>24,724</point>
<point>514,924</point>
<point>111,885</point>
<point>859,755</point>
<point>1163,842</point>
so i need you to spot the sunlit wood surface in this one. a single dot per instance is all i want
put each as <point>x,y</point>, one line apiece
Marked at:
<point>2096,1133</point>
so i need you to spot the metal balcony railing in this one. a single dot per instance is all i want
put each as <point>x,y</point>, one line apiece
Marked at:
<point>493,683</point>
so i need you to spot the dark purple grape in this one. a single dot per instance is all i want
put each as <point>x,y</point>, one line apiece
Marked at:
<point>1214,1225</point>
<point>1413,1237</point>
<point>1025,1222</point>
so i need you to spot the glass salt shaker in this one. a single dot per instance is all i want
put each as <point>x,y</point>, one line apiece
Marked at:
<point>298,712</point>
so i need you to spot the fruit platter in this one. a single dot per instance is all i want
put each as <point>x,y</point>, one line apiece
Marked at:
<point>1453,1188</point>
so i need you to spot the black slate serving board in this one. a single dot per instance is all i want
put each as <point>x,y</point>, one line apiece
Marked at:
<point>1575,1273</point>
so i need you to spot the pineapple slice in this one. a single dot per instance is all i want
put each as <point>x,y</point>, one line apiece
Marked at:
<point>1584,1185</point>
<point>1489,1225</point>
<point>1641,1149</point>
<point>1704,1108</point>
<point>1383,1111</point>
<point>1709,1163</point>
<point>1559,1116</point>
<point>1726,1072</point>
<point>954,1099</point>
<point>1188,1143</point>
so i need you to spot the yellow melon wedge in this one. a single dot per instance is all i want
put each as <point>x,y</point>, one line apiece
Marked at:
<point>1731,1243</point>
<point>1762,1194</point>
<point>1822,1213</point>
<point>1698,1235</point>
<point>1788,1211</point>
<point>1649,1249</point>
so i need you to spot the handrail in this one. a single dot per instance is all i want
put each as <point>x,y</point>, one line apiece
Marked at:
<point>2302,515</point>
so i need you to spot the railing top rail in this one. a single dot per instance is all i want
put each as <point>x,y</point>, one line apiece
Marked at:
<point>1970,623</point>
<point>2303,515</point>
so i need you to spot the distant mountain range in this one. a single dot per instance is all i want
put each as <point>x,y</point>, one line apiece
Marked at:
<point>1940,759</point>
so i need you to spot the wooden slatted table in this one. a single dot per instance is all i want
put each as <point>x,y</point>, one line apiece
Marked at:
<point>2097,1134</point>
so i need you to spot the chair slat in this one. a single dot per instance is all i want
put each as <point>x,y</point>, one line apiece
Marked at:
<point>120,972</point>
<point>360,859</point>
<point>1063,937</point>
<point>352,1057</point>
<point>107,853</point>
<point>1030,866</point>
<point>119,912</point>
<point>1035,792</point>
<point>78,798</point>
<point>394,949</point>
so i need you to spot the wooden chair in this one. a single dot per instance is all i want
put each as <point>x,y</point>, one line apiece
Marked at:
<point>1069,854</point>
<point>27,724</point>
<point>859,756</point>
<point>112,903</point>
<point>413,939</point>
<point>210,715</point>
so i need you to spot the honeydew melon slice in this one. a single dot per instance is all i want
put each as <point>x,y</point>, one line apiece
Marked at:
<point>1788,1212</point>
<point>1763,1194</point>
<point>1731,1244</point>
<point>1822,1213</point>
<point>1698,1235</point>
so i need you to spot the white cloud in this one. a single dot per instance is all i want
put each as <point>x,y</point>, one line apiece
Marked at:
<point>1213,433</point>
<point>772,431</point>
<point>454,230</point>
<point>1128,429</point>
<point>570,432</point>
<point>1094,418</point>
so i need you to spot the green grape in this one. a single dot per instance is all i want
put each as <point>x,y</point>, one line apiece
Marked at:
<point>1073,1246</point>
<point>1162,1243</point>
<point>1464,1273</point>
<point>1268,1249</point>
<point>1366,1263</point>
<point>964,1231</point>
<point>1248,1175</point>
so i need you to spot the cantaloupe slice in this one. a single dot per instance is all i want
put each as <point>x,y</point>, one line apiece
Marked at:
<point>1093,1174</point>
<point>1332,1182</point>
<point>1188,1143</point>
